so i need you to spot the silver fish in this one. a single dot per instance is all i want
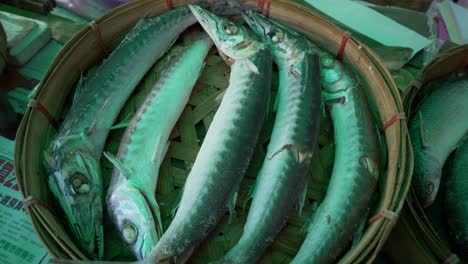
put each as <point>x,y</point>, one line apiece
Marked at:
<point>282,178</point>
<point>131,197</point>
<point>72,160</point>
<point>229,143</point>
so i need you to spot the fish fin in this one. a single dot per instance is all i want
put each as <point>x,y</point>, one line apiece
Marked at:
<point>422,130</point>
<point>220,97</point>
<point>306,226</point>
<point>172,44</point>
<point>371,166</point>
<point>157,214</point>
<point>303,155</point>
<point>79,89</point>
<point>93,128</point>
<point>303,197</point>
<point>251,193</point>
<point>294,71</point>
<point>124,123</point>
<point>251,66</point>
<point>322,105</point>
<point>142,20</point>
<point>118,164</point>
<point>177,202</point>
<point>53,186</point>
<point>232,205</point>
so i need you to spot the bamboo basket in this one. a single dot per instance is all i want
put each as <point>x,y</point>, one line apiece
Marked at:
<point>83,52</point>
<point>433,246</point>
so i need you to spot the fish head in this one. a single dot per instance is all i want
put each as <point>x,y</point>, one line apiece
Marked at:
<point>429,176</point>
<point>284,41</point>
<point>75,180</point>
<point>234,41</point>
<point>131,213</point>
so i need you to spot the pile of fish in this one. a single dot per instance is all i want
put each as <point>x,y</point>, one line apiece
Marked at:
<point>310,82</point>
<point>439,130</point>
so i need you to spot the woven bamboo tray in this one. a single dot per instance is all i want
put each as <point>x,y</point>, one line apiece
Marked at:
<point>84,51</point>
<point>433,245</point>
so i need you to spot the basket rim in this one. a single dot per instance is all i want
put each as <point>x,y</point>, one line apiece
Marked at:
<point>398,175</point>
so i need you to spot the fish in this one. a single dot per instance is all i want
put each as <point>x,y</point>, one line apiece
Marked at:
<point>435,129</point>
<point>227,149</point>
<point>131,199</point>
<point>356,166</point>
<point>456,200</point>
<point>72,159</point>
<point>283,176</point>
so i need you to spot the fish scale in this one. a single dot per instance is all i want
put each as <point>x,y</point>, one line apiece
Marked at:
<point>73,158</point>
<point>355,172</point>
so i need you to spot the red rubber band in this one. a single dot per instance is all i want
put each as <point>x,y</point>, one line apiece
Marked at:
<point>96,30</point>
<point>267,9</point>
<point>392,121</point>
<point>169,4</point>
<point>389,215</point>
<point>36,105</point>
<point>344,41</point>
<point>261,4</point>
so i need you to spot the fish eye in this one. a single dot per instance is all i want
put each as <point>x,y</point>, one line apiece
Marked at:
<point>430,187</point>
<point>79,183</point>
<point>230,28</point>
<point>129,233</point>
<point>276,35</point>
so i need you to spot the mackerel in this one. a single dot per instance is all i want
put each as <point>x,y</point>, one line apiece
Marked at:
<point>72,160</point>
<point>131,197</point>
<point>229,143</point>
<point>282,178</point>
<point>356,168</point>
<point>456,200</point>
<point>436,129</point>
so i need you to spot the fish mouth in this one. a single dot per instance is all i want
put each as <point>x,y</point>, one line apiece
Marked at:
<point>256,23</point>
<point>252,20</point>
<point>92,242</point>
<point>206,19</point>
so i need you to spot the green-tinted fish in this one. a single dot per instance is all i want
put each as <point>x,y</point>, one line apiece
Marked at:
<point>356,169</point>
<point>131,196</point>
<point>229,143</point>
<point>437,127</point>
<point>282,178</point>
<point>75,151</point>
<point>456,200</point>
